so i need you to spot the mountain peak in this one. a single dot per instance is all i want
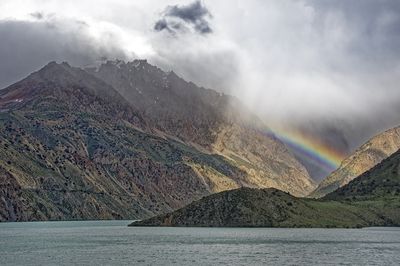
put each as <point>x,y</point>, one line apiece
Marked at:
<point>56,78</point>
<point>28,88</point>
<point>55,72</point>
<point>118,63</point>
<point>53,65</point>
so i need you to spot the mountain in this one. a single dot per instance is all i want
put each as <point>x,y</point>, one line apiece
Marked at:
<point>210,121</point>
<point>380,182</point>
<point>367,156</point>
<point>72,147</point>
<point>372,199</point>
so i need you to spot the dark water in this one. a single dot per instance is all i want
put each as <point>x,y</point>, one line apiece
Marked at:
<point>113,243</point>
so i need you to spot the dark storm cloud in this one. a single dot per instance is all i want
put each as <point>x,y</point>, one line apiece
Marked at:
<point>27,46</point>
<point>160,25</point>
<point>37,15</point>
<point>176,18</point>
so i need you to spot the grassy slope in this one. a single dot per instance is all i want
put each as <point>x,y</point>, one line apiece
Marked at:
<point>272,208</point>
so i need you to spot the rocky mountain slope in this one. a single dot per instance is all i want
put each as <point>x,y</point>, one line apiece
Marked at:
<point>372,199</point>
<point>380,182</point>
<point>367,156</point>
<point>72,147</point>
<point>210,121</point>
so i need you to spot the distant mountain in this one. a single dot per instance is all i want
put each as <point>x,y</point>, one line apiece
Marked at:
<point>381,181</point>
<point>373,199</point>
<point>364,158</point>
<point>72,147</point>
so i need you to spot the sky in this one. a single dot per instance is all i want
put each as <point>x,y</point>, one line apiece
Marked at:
<point>326,69</point>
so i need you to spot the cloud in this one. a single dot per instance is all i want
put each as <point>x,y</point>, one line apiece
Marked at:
<point>162,24</point>
<point>198,59</point>
<point>37,15</point>
<point>329,70</point>
<point>180,18</point>
<point>28,45</point>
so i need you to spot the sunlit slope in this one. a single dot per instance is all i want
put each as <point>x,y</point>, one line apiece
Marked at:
<point>364,158</point>
<point>209,120</point>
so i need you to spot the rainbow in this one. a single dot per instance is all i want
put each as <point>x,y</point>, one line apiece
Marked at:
<point>325,156</point>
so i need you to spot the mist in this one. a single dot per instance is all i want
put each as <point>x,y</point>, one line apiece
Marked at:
<point>326,69</point>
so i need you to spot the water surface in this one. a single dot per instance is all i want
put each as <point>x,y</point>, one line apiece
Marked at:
<point>113,243</point>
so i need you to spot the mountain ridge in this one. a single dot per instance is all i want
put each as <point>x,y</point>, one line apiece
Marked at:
<point>73,148</point>
<point>205,118</point>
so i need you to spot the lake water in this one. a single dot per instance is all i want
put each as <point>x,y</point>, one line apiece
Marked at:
<point>113,243</point>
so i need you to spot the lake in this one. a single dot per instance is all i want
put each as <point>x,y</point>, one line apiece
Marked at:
<point>113,243</point>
